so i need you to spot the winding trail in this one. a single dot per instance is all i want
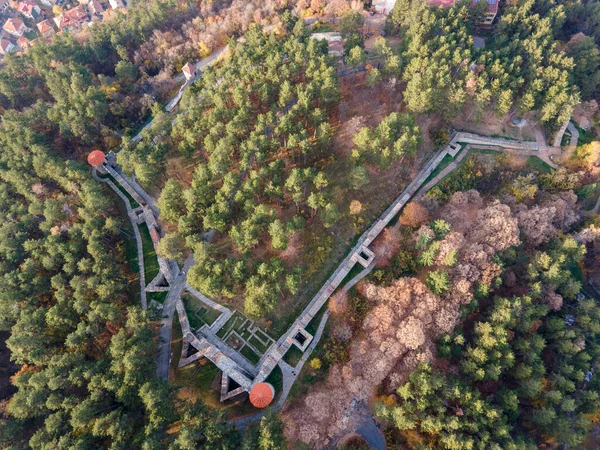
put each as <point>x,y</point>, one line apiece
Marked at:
<point>136,231</point>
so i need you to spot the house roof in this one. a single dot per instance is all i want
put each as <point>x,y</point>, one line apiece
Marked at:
<point>71,17</point>
<point>95,6</point>
<point>5,44</point>
<point>45,26</point>
<point>13,24</point>
<point>188,69</point>
<point>26,7</point>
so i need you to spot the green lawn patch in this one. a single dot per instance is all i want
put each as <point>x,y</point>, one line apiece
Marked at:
<point>585,137</point>
<point>321,27</point>
<point>160,297</point>
<point>293,356</point>
<point>249,354</point>
<point>441,166</point>
<point>536,164</point>
<point>198,313</point>
<point>258,345</point>
<point>313,325</point>
<point>151,267</point>
<point>275,379</point>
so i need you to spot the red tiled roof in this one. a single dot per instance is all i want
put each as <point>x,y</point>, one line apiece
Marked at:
<point>95,6</point>
<point>13,24</point>
<point>45,26</point>
<point>4,43</point>
<point>71,17</point>
<point>261,395</point>
<point>96,157</point>
<point>26,7</point>
<point>188,69</point>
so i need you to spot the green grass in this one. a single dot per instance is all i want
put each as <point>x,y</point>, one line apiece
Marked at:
<point>536,164</point>
<point>293,356</point>
<point>275,379</point>
<point>257,344</point>
<point>585,137</point>
<point>129,248</point>
<point>160,297</point>
<point>249,354</point>
<point>151,267</point>
<point>198,313</point>
<point>133,203</point>
<point>445,162</point>
<point>320,27</point>
<point>313,325</point>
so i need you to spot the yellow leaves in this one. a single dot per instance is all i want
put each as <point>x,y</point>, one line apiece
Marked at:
<point>111,89</point>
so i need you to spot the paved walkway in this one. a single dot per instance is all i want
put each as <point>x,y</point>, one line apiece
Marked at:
<point>574,134</point>
<point>165,333</point>
<point>175,100</point>
<point>289,376</point>
<point>136,231</point>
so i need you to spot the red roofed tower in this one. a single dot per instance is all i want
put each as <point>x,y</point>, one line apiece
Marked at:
<point>96,157</point>
<point>261,395</point>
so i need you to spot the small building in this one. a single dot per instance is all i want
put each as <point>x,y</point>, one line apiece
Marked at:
<point>29,9</point>
<point>6,46</point>
<point>16,27</point>
<point>334,40</point>
<point>4,5</point>
<point>49,3</point>
<point>383,6</point>
<point>73,18</point>
<point>116,4</point>
<point>24,43</point>
<point>489,17</point>
<point>189,71</point>
<point>45,28</point>
<point>96,8</point>
<point>261,395</point>
<point>492,11</point>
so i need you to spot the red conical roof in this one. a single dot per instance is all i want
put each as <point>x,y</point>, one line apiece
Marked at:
<point>96,158</point>
<point>261,395</point>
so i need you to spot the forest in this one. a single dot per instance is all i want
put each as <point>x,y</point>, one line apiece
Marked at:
<point>477,329</point>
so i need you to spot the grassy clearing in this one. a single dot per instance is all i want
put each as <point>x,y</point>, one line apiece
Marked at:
<point>441,166</point>
<point>198,313</point>
<point>313,325</point>
<point>536,164</point>
<point>275,378</point>
<point>249,354</point>
<point>160,297</point>
<point>151,267</point>
<point>293,356</point>
<point>588,195</point>
<point>322,27</point>
<point>585,137</point>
